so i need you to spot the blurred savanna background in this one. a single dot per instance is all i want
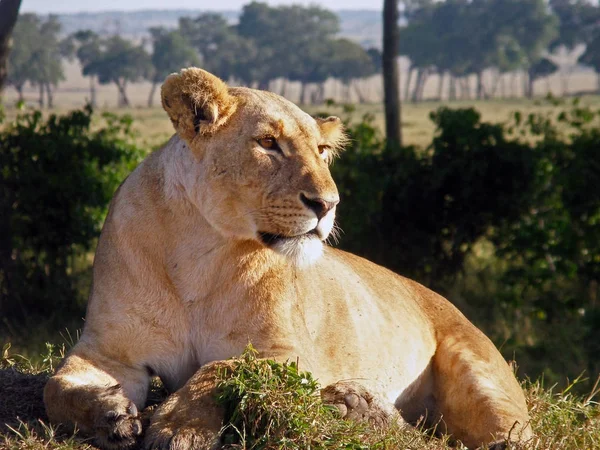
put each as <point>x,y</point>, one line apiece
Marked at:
<point>473,165</point>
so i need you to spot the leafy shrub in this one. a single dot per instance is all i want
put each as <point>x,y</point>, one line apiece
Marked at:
<point>526,190</point>
<point>56,180</point>
<point>420,212</point>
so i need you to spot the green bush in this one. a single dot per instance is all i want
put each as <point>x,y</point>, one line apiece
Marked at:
<point>419,212</point>
<point>526,193</point>
<point>57,176</point>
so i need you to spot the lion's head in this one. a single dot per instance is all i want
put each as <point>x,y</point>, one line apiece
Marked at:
<point>264,162</point>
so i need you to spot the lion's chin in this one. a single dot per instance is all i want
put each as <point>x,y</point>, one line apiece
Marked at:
<point>302,251</point>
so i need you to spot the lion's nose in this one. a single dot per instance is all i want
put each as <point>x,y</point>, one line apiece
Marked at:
<point>319,205</point>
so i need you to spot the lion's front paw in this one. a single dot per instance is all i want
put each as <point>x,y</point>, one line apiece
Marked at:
<point>354,402</point>
<point>117,424</point>
<point>504,444</point>
<point>182,425</point>
<point>188,437</point>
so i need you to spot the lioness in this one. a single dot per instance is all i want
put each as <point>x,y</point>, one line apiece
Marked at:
<point>216,240</point>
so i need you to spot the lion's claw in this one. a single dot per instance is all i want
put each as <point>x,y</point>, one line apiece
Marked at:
<point>118,424</point>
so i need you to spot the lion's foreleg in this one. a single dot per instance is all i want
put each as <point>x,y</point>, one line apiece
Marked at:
<point>190,418</point>
<point>99,396</point>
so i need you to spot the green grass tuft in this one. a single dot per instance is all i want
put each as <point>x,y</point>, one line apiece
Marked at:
<point>272,405</point>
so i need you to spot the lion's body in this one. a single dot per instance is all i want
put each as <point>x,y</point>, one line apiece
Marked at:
<point>180,281</point>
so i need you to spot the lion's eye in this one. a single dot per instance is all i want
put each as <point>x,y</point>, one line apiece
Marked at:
<point>269,143</point>
<point>323,150</point>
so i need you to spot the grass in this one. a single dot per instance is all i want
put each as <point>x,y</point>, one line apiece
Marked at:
<point>276,406</point>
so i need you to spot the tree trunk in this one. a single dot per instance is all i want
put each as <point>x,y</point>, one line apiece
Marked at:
<point>598,82</point>
<point>452,88</point>
<point>407,85</point>
<point>19,89</point>
<point>313,96</point>
<point>495,83</point>
<point>480,87</point>
<point>528,79</point>
<point>419,90</point>
<point>302,92</point>
<point>423,83</point>
<point>263,85</point>
<point>283,89</point>
<point>9,12</point>
<point>347,92</point>
<point>92,91</point>
<point>415,92</point>
<point>359,92</point>
<point>391,76</point>
<point>565,81</point>
<point>49,96</point>
<point>322,93</point>
<point>421,87</point>
<point>513,85</point>
<point>442,75</point>
<point>41,99</point>
<point>465,88</point>
<point>123,100</point>
<point>151,96</point>
<point>124,95</point>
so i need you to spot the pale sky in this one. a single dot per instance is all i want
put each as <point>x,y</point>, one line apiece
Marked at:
<point>71,6</point>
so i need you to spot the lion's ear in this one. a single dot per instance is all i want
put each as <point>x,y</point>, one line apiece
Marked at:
<point>332,131</point>
<point>197,102</point>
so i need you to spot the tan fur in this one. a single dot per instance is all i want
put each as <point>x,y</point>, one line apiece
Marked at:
<point>214,242</point>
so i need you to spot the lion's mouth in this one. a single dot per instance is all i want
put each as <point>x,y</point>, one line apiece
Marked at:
<point>270,239</point>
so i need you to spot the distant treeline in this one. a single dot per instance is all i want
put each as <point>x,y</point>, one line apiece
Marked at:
<point>455,39</point>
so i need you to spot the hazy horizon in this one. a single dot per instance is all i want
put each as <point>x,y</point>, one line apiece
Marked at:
<point>78,6</point>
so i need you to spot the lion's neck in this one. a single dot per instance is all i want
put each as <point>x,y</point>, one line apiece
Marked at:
<point>199,258</point>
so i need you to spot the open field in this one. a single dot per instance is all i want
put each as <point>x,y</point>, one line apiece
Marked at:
<point>155,128</point>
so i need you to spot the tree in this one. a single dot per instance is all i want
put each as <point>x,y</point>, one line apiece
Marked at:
<point>348,61</point>
<point>46,65</point>
<point>221,50</point>
<point>305,28</point>
<point>171,52</point>
<point>391,76</point>
<point>121,62</point>
<point>532,26</point>
<point>26,40</point>
<point>9,11</point>
<point>463,37</point>
<point>591,57</point>
<point>578,22</point>
<point>543,68</point>
<point>87,49</point>
<point>434,40</point>
<point>37,55</point>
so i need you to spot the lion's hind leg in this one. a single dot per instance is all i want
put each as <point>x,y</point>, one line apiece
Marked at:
<point>99,396</point>
<point>477,395</point>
